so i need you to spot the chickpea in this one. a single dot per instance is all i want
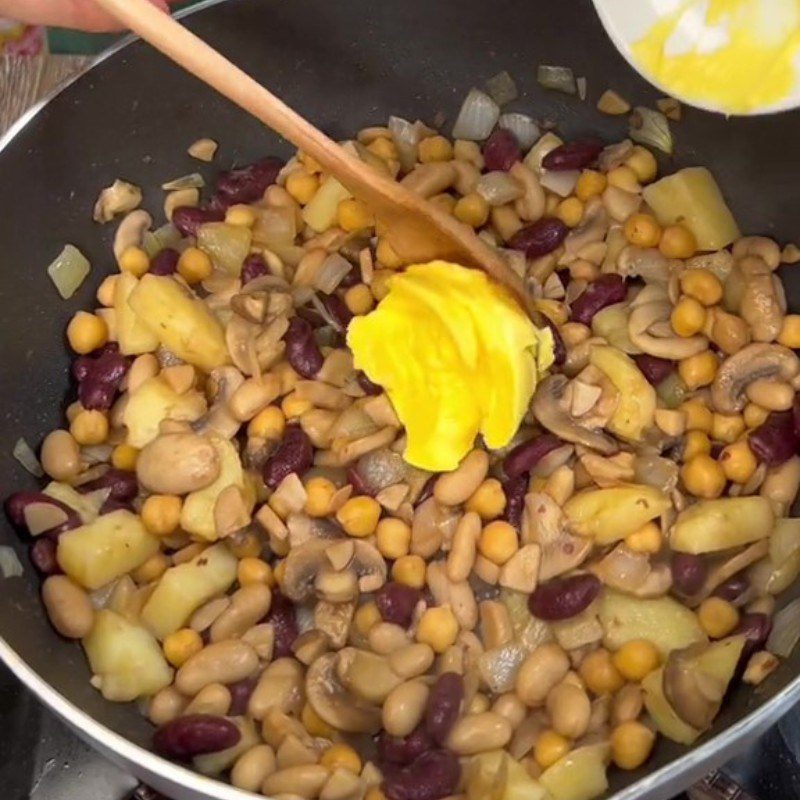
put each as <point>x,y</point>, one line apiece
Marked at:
<point>438,627</point>
<point>488,501</point>
<point>319,493</point>
<point>387,256</point>
<point>790,332</point>
<point>698,370</point>
<point>696,443</point>
<point>354,215</point>
<point>124,456</point>
<point>570,211</point>
<point>677,241</point>
<point>254,570</point>
<point>341,756</point>
<point>498,542</point>
<point>738,462</point>
<point>410,571</point>
<point>599,673</point>
<point>134,260</point>
<point>631,744</point>
<point>89,427</point>
<point>472,209</point>
<point>359,299</point>
<point>366,617</point>
<point>86,332</point>
<point>241,216</point>
<point>636,659</point>
<point>314,724</point>
<point>181,645</point>
<point>703,477</point>
<point>435,148</point>
<point>698,415</point>
<point>383,147</point>
<point>380,283</point>
<point>623,177</point>
<point>302,186</point>
<point>702,285</point>
<point>754,415</point>
<point>647,539</point>
<point>359,516</point>
<point>727,427</point>
<point>161,513</point>
<point>194,265</point>
<point>688,317</point>
<point>549,748</point>
<point>267,424</point>
<point>717,617</point>
<point>590,184</point>
<point>393,538</point>
<point>643,163</point>
<point>152,569</point>
<point>294,406</point>
<point>642,230</point>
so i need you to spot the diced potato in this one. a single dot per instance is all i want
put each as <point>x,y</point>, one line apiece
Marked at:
<point>78,502</point>
<point>154,401</point>
<point>579,775</point>
<point>668,624</point>
<point>609,515</point>
<point>227,245</point>
<point>125,658</point>
<point>181,321</point>
<point>320,213</point>
<point>784,555</point>
<point>197,516</point>
<point>133,335</point>
<point>182,589</point>
<point>669,724</point>
<point>691,196</point>
<point>217,763</point>
<point>611,323</point>
<point>712,525</point>
<point>636,406</point>
<point>497,776</point>
<point>97,553</point>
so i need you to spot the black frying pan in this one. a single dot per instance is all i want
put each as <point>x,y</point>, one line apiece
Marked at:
<point>343,65</point>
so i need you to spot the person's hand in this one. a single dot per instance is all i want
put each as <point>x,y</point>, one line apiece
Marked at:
<point>84,15</point>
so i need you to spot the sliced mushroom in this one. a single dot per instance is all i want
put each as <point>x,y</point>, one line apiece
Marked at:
<point>118,198</point>
<point>760,305</point>
<point>759,360</point>
<point>336,586</point>
<point>369,566</point>
<point>728,568</point>
<point>719,263</point>
<point>695,694</point>
<point>223,382</point>
<point>645,318</point>
<point>301,567</point>
<point>339,707</point>
<point>131,231</point>
<point>548,411</point>
<point>334,619</point>
<point>365,674</point>
<point>543,523</point>
<point>647,263</point>
<point>656,584</point>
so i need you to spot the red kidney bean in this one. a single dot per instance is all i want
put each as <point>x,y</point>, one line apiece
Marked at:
<point>302,351</point>
<point>99,377</point>
<point>605,291</point>
<point>283,617</point>
<point>573,155</point>
<point>123,484</point>
<point>689,573</point>
<point>189,219</point>
<point>193,735</point>
<point>247,184</point>
<point>796,415</point>
<point>240,695</point>
<point>525,456</point>
<point>756,629</point>
<point>774,442</point>
<point>43,556</point>
<point>515,490</point>
<point>733,588</point>
<point>501,151</point>
<point>563,598</point>
<point>368,386</point>
<point>164,262</point>
<point>336,307</point>
<point>539,238</point>
<point>351,278</point>
<point>295,454</point>
<point>253,267</point>
<point>653,368</point>
<point>443,706</point>
<point>559,348</point>
<point>403,749</point>
<point>433,775</point>
<point>397,602</point>
<point>16,504</point>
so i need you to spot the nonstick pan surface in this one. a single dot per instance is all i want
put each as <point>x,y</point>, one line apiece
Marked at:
<point>345,66</point>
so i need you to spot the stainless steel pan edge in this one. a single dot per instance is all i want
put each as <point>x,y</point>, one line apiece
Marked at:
<point>670,775</point>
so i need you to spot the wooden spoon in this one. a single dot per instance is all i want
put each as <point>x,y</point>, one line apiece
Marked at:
<point>417,230</point>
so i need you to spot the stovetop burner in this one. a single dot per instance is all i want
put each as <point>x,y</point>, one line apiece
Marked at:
<point>41,759</point>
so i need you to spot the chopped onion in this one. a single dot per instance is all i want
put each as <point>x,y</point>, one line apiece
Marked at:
<point>331,273</point>
<point>785,630</point>
<point>193,181</point>
<point>612,103</point>
<point>670,108</point>
<point>522,126</point>
<point>10,565</point>
<point>498,188</point>
<point>166,236</point>
<point>96,453</point>
<point>290,493</point>
<point>319,307</point>
<point>69,271</point>
<point>581,84</point>
<point>228,245</point>
<point>275,228</point>
<point>535,155</point>
<point>560,182</point>
<point>23,453</point>
<point>501,88</point>
<point>560,79</point>
<point>623,569</point>
<point>406,136</point>
<point>650,127</point>
<point>477,117</point>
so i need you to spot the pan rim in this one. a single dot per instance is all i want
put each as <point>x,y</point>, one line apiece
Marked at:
<point>695,762</point>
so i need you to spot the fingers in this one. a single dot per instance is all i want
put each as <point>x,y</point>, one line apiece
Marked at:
<point>84,15</point>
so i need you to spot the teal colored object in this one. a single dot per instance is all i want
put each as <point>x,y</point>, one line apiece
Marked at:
<point>66,42</point>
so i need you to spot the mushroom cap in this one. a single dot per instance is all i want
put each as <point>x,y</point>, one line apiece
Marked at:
<point>301,567</point>
<point>548,412</point>
<point>334,704</point>
<point>366,675</point>
<point>369,565</point>
<point>695,695</point>
<point>758,360</point>
<point>675,348</point>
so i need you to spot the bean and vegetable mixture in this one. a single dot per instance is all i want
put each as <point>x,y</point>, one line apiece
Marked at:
<point>232,533</point>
